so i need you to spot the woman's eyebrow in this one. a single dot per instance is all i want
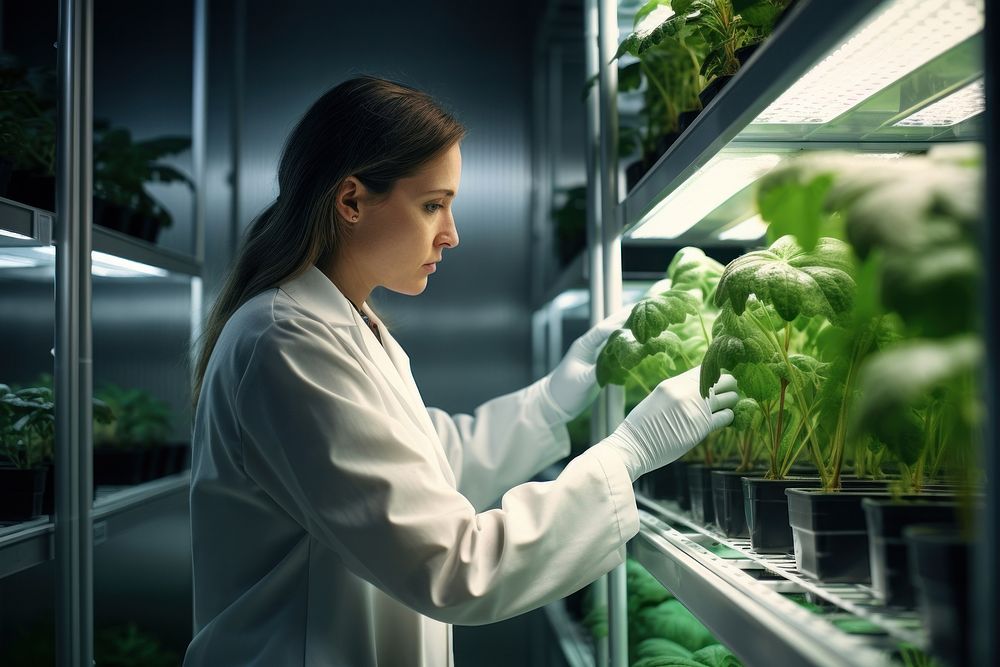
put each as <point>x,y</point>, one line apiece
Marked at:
<point>449,193</point>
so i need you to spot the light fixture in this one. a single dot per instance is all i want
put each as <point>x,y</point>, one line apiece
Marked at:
<point>571,299</point>
<point>750,229</point>
<point>109,266</point>
<point>697,197</point>
<point>896,41</point>
<point>964,103</point>
<point>16,262</point>
<point>15,235</point>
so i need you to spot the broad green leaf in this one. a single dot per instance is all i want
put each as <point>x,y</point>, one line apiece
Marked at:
<point>899,380</point>
<point>653,315</point>
<point>794,281</point>
<point>762,14</point>
<point>746,414</point>
<point>692,269</point>
<point>629,77</point>
<point>619,354</point>
<point>657,647</point>
<point>716,655</point>
<point>667,661</point>
<point>647,9</point>
<point>794,208</point>
<point>757,382</point>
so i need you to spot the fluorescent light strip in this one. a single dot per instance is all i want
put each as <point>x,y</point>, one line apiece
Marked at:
<point>709,187</point>
<point>961,105</point>
<point>15,235</point>
<point>16,262</point>
<point>750,229</point>
<point>105,265</point>
<point>906,35</point>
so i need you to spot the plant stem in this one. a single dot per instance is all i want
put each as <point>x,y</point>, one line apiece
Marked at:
<point>638,380</point>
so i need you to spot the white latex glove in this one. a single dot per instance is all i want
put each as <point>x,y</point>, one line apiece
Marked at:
<point>572,385</point>
<point>670,421</point>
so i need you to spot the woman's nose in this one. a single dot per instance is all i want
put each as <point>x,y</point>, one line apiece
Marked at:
<point>449,236</point>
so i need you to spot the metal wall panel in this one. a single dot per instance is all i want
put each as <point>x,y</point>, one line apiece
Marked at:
<point>468,335</point>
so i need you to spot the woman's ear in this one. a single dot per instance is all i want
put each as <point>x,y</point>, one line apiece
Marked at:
<point>349,195</point>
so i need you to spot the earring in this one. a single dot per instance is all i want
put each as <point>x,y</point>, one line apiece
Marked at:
<point>354,218</point>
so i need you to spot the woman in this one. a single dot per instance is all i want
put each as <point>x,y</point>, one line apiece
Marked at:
<point>338,521</point>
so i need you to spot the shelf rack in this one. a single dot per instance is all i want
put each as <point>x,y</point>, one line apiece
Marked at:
<point>116,511</point>
<point>34,227</point>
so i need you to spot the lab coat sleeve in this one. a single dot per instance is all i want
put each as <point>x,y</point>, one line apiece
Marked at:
<point>363,481</point>
<point>508,441</point>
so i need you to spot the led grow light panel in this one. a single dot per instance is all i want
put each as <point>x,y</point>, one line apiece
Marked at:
<point>897,40</point>
<point>109,266</point>
<point>710,187</point>
<point>750,229</point>
<point>961,105</point>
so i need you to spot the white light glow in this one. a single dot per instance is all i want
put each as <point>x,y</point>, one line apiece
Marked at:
<point>16,262</point>
<point>963,104</point>
<point>898,40</point>
<point>571,299</point>
<point>709,187</point>
<point>109,266</point>
<point>748,230</point>
<point>14,235</point>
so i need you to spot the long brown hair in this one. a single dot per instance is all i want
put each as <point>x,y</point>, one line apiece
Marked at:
<point>376,130</point>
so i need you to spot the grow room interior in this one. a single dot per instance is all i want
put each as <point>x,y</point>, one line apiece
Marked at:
<point>798,193</point>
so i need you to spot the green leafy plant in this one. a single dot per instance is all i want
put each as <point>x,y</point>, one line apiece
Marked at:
<point>914,222</point>
<point>28,116</point>
<point>571,224</point>
<point>128,646</point>
<point>28,422</point>
<point>122,167</point>
<point>141,420</point>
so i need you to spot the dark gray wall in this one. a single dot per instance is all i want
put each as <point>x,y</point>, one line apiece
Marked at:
<point>468,334</point>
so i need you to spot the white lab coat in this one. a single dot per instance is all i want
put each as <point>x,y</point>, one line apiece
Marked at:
<point>338,521</point>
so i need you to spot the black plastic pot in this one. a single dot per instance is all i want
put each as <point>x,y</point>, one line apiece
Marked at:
<point>829,534</point>
<point>21,493</point>
<point>700,487</point>
<point>727,494</point>
<point>685,118</point>
<point>712,89</point>
<point>661,483</point>
<point>683,496</point>
<point>939,560</point>
<point>116,467</point>
<point>6,168</point>
<point>33,189</point>
<point>744,52</point>
<point>111,216</point>
<point>49,497</point>
<point>887,552</point>
<point>635,171</point>
<point>143,227</point>
<point>766,510</point>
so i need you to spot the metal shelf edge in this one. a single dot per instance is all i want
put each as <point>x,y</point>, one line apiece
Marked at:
<point>755,622</point>
<point>809,32</point>
<point>574,648</point>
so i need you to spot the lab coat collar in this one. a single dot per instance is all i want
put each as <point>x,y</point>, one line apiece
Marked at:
<point>318,294</point>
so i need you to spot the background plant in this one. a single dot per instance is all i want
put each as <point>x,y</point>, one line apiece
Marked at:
<point>140,419</point>
<point>28,115</point>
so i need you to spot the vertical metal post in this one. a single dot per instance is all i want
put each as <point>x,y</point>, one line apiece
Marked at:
<point>613,397</point>
<point>73,367</point>
<point>541,190</point>
<point>199,101</point>
<point>984,585</point>
<point>236,120</point>
<point>595,249</point>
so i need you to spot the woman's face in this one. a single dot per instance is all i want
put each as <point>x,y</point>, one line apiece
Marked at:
<point>397,241</point>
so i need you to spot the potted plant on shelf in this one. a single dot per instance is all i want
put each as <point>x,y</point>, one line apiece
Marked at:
<point>122,168</point>
<point>129,450</point>
<point>27,133</point>
<point>666,334</point>
<point>667,72</point>
<point>27,431</point>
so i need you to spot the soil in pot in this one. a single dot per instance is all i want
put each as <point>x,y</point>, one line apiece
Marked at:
<point>21,492</point>
<point>712,89</point>
<point>829,534</point>
<point>727,494</point>
<point>887,552</point>
<point>939,560</point>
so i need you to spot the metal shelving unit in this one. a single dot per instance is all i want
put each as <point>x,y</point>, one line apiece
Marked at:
<point>744,600</point>
<point>116,511</point>
<point>575,646</point>
<point>30,227</point>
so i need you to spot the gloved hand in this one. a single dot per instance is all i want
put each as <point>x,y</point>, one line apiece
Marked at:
<point>572,385</point>
<point>670,421</point>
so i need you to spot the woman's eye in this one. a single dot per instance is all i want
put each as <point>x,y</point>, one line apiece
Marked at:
<point>432,208</point>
